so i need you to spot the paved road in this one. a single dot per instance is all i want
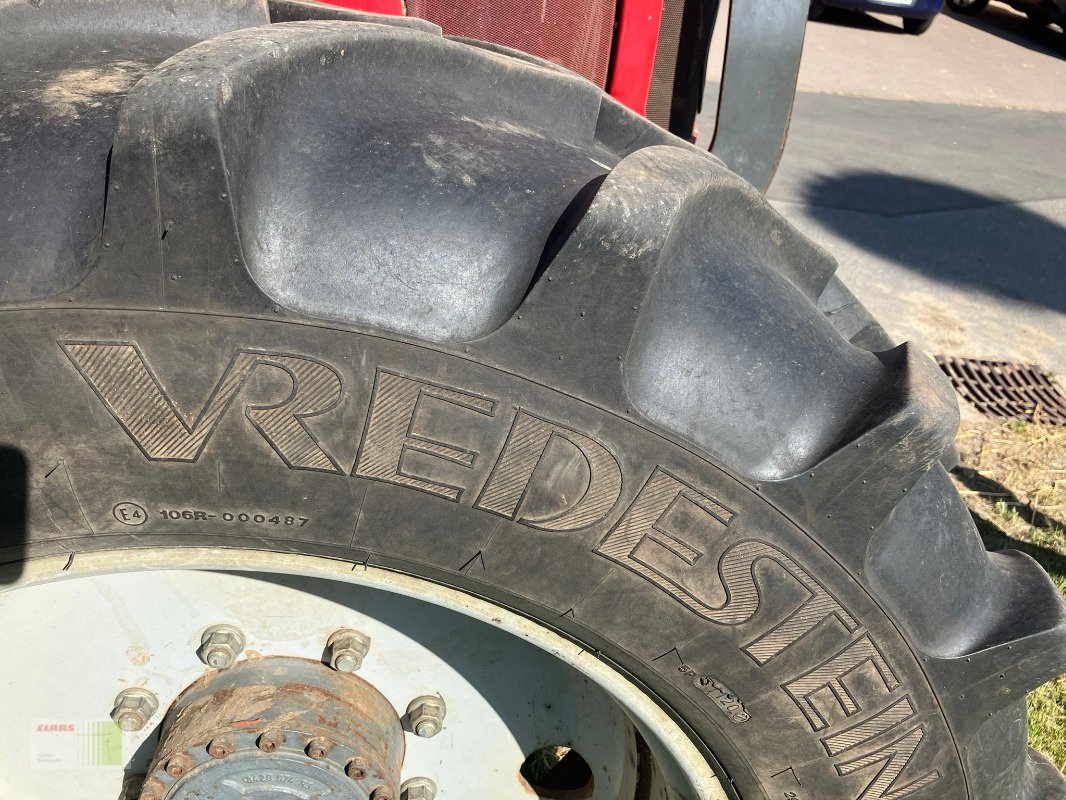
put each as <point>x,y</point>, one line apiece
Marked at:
<point>947,210</point>
<point>994,59</point>
<point>949,221</point>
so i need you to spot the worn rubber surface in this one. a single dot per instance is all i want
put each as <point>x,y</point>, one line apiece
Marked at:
<point>347,288</point>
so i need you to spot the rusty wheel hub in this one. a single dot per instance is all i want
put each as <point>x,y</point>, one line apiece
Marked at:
<point>283,728</point>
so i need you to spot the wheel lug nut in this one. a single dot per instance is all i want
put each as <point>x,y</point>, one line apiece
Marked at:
<point>220,645</point>
<point>220,747</point>
<point>356,768</point>
<point>270,741</point>
<point>418,789</point>
<point>426,715</point>
<point>152,790</point>
<point>319,747</point>
<point>346,649</point>
<point>179,765</point>
<point>133,708</point>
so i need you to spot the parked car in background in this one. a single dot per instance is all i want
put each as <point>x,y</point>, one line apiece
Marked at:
<point>1040,12</point>
<point>917,15</point>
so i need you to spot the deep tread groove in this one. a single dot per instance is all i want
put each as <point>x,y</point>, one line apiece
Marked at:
<point>565,226</point>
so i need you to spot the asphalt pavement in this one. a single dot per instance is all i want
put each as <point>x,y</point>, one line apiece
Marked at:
<point>934,169</point>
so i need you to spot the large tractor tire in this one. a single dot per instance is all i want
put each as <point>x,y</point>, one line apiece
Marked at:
<point>343,298</point>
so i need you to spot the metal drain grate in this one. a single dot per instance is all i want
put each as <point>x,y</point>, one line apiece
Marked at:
<point>1006,390</point>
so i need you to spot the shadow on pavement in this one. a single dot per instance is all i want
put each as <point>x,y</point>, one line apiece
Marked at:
<point>1016,28</point>
<point>958,236</point>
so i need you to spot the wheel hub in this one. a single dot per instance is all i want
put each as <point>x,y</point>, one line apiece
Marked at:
<point>278,728</point>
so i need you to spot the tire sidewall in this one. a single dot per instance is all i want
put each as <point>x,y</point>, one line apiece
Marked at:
<point>679,582</point>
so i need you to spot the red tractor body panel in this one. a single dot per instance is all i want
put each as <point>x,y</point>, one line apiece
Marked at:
<point>612,44</point>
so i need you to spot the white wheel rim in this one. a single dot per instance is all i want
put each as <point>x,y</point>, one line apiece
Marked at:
<point>76,632</point>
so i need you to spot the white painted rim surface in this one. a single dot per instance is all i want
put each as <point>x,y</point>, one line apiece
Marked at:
<point>681,762</point>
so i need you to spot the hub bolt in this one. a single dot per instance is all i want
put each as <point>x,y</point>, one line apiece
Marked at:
<point>426,715</point>
<point>356,769</point>
<point>153,789</point>
<point>220,645</point>
<point>319,747</point>
<point>270,741</point>
<point>179,765</point>
<point>220,747</point>
<point>418,789</point>
<point>346,649</point>
<point>133,708</point>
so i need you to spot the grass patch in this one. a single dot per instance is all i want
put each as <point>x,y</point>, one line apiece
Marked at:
<point>1013,478</point>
